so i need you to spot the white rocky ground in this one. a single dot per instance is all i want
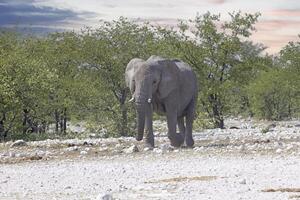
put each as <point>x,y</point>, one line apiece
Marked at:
<point>242,163</point>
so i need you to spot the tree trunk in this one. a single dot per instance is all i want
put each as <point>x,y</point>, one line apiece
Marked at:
<point>43,127</point>
<point>56,115</point>
<point>65,120</point>
<point>25,120</point>
<point>124,120</point>
<point>217,111</point>
<point>2,129</point>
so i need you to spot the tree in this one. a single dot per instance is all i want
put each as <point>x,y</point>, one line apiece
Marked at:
<point>215,50</point>
<point>108,49</point>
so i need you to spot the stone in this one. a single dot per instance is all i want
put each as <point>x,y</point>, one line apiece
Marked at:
<point>198,149</point>
<point>166,147</point>
<point>18,143</point>
<point>279,151</point>
<point>11,154</point>
<point>131,149</point>
<point>40,153</point>
<point>289,147</point>
<point>157,150</point>
<point>104,197</point>
<point>83,152</point>
<point>241,147</point>
<point>234,127</point>
<point>147,149</point>
<point>242,181</point>
<point>74,148</point>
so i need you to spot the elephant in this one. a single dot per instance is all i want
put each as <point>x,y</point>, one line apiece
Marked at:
<point>167,87</point>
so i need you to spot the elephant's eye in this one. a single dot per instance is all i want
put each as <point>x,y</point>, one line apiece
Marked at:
<point>154,82</point>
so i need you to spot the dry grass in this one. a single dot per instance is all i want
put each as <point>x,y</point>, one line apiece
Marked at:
<point>184,179</point>
<point>282,190</point>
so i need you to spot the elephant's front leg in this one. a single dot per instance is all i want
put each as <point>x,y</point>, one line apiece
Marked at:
<point>175,139</point>
<point>149,137</point>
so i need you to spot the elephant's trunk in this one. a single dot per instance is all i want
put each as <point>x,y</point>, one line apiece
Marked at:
<point>143,100</point>
<point>140,121</point>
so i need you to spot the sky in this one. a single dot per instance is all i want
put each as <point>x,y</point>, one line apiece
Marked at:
<point>279,23</point>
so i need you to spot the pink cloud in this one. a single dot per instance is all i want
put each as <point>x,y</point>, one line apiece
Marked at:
<point>274,42</point>
<point>218,1</point>
<point>284,12</point>
<point>271,25</point>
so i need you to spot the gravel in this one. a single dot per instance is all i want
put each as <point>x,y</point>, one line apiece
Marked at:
<point>240,163</point>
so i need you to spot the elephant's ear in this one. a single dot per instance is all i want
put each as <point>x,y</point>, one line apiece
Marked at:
<point>131,69</point>
<point>169,81</point>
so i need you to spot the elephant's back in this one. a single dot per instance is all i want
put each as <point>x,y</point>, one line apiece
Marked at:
<point>186,72</point>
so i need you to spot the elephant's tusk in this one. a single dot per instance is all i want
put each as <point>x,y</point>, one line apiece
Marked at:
<point>131,100</point>
<point>149,100</point>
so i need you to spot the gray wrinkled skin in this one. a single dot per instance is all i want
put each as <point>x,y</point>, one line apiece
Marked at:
<point>167,87</point>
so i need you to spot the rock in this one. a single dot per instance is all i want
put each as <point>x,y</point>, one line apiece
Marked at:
<point>273,125</point>
<point>198,149</point>
<point>11,154</point>
<point>40,153</point>
<point>74,148</point>
<point>233,127</point>
<point>278,151</point>
<point>289,147</point>
<point>35,157</point>
<point>147,149</point>
<point>131,149</point>
<point>18,143</point>
<point>241,147</point>
<point>86,143</point>
<point>83,152</point>
<point>242,181</point>
<point>157,150</point>
<point>297,125</point>
<point>104,197</point>
<point>19,155</point>
<point>166,147</point>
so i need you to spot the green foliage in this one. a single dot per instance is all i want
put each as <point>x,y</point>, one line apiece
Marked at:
<point>272,95</point>
<point>218,54</point>
<point>275,94</point>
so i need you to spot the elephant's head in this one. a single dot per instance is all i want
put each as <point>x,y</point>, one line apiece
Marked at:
<point>156,76</point>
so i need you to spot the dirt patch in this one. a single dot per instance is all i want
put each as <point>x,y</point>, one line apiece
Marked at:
<point>294,197</point>
<point>184,179</point>
<point>282,190</point>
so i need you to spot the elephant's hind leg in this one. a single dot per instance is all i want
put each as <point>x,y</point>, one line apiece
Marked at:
<point>181,126</point>
<point>189,124</point>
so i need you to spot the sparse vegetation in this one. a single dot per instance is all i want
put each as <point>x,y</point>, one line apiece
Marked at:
<point>49,81</point>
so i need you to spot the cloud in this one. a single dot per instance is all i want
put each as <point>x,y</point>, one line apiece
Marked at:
<point>23,14</point>
<point>284,12</point>
<point>218,1</point>
<point>276,33</point>
<point>274,42</point>
<point>273,25</point>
